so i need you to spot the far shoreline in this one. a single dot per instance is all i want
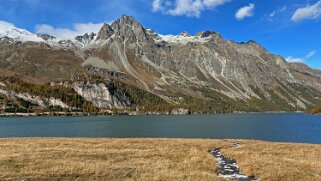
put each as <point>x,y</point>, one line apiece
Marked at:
<point>81,114</point>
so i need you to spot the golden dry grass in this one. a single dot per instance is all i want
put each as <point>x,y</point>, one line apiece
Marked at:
<point>151,159</point>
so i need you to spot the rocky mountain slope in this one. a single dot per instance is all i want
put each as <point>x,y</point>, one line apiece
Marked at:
<point>203,73</point>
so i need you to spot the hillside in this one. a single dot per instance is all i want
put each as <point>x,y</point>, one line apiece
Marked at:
<point>126,66</point>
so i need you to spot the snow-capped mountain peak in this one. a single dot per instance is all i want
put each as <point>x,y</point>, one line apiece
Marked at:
<point>20,35</point>
<point>15,34</point>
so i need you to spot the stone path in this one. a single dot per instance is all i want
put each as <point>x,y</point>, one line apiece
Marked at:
<point>228,168</point>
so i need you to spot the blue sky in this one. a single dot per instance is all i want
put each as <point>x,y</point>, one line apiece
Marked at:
<point>290,28</point>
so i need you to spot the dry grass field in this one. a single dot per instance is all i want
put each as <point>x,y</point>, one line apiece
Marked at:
<point>152,159</point>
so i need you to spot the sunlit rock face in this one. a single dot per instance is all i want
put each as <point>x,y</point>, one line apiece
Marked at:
<point>100,96</point>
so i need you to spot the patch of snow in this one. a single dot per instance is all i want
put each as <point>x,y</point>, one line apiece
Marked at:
<point>181,39</point>
<point>18,34</point>
<point>80,44</point>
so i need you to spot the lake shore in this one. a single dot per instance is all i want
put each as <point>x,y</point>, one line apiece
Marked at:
<point>152,159</point>
<point>51,114</point>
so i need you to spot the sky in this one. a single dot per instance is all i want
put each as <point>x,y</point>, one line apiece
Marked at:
<point>290,28</point>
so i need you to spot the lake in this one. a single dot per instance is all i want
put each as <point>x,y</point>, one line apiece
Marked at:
<point>288,127</point>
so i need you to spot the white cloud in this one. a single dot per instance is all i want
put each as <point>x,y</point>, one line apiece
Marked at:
<point>65,33</point>
<point>4,26</point>
<point>292,59</point>
<point>311,54</point>
<point>271,15</point>
<point>275,15</point>
<point>307,12</point>
<point>244,12</point>
<point>190,8</point>
<point>214,3</point>
<point>158,5</point>
<point>278,11</point>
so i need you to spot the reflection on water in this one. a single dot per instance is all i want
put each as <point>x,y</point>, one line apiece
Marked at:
<point>270,127</point>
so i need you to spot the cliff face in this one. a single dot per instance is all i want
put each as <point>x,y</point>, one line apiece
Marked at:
<point>176,68</point>
<point>41,101</point>
<point>100,95</point>
<point>55,95</point>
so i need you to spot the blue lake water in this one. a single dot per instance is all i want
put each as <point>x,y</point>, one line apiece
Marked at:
<point>271,127</point>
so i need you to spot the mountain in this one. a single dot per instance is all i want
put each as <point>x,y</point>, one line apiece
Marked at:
<point>126,66</point>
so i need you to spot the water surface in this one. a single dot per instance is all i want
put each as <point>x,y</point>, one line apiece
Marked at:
<point>270,127</point>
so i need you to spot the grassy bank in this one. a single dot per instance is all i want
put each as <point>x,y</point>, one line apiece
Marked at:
<point>152,159</point>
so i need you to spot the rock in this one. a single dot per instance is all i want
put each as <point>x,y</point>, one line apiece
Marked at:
<point>180,111</point>
<point>100,96</point>
<point>46,36</point>
<point>105,32</point>
<point>185,34</point>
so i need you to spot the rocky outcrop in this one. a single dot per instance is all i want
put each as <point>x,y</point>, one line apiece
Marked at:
<point>105,32</point>
<point>46,37</point>
<point>43,102</point>
<point>100,96</point>
<point>128,29</point>
<point>2,84</point>
<point>180,111</point>
<point>30,98</point>
<point>57,102</point>
<point>86,39</point>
